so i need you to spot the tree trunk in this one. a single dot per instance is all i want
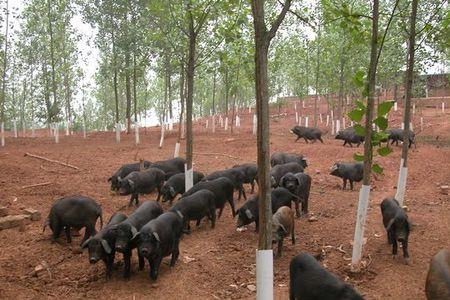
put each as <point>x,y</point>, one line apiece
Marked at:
<point>5,65</point>
<point>341,85</point>
<point>48,104</point>
<point>317,78</point>
<point>116,93</point>
<point>134,86</point>
<point>52,57</point>
<point>408,94</point>
<point>214,94</point>
<point>181,100</point>
<point>190,93</point>
<point>128,90</point>
<point>227,88</point>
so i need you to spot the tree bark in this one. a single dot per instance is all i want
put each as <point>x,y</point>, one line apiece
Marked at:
<point>341,85</point>
<point>116,93</point>
<point>128,91</point>
<point>52,57</point>
<point>317,77</point>
<point>214,94</point>
<point>181,100</point>
<point>5,65</point>
<point>409,81</point>
<point>190,90</point>
<point>134,86</point>
<point>370,89</point>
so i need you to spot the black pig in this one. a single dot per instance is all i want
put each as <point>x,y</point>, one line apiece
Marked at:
<point>101,245</point>
<point>310,281</point>
<point>124,232</point>
<point>171,166</point>
<point>437,286</point>
<point>348,171</point>
<point>397,225</point>
<point>222,189</point>
<point>157,239</point>
<point>76,212</point>
<point>307,133</point>
<point>280,158</point>
<point>300,185</point>
<point>123,171</point>
<point>250,174</point>
<point>350,137</point>
<point>195,207</point>
<point>280,170</point>
<point>176,185</point>
<point>143,182</point>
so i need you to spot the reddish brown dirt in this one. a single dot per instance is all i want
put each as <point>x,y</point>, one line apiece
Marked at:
<point>224,259</point>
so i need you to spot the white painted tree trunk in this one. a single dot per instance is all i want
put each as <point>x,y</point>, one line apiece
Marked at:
<point>421,123</point>
<point>338,125</point>
<point>295,106</point>
<point>255,124</point>
<point>176,153</point>
<point>443,107</point>
<point>264,274</point>
<point>221,121</point>
<point>170,125</point>
<point>249,109</point>
<point>414,108</point>
<point>328,120</point>
<point>303,103</point>
<point>226,123</point>
<point>213,123</point>
<point>161,141</point>
<point>2,133</point>
<point>411,126</point>
<point>306,121</point>
<point>56,134</point>
<point>33,130</point>
<point>403,125</point>
<point>136,134</point>
<point>332,127</point>
<point>238,121</point>
<point>320,118</point>
<point>117,133</point>
<point>15,128</point>
<point>67,128</point>
<point>351,123</point>
<point>189,177</point>
<point>296,117</point>
<point>395,106</point>
<point>401,183</point>
<point>360,225</point>
<point>426,92</point>
<point>332,115</point>
<point>207,123</point>
<point>300,121</point>
<point>84,131</point>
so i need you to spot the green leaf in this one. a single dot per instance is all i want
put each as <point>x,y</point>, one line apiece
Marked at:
<point>381,122</point>
<point>358,157</point>
<point>384,108</point>
<point>356,114</point>
<point>377,169</point>
<point>360,105</point>
<point>359,130</point>
<point>384,151</point>
<point>358,79</point>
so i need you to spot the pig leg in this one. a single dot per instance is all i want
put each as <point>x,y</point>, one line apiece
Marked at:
<point>351,185</point>
<point>131,200</point>
<point>241,188</point>
<point>305,206</point>
<point>280,246</point>
<point>109,261</point>
<point>253,187</point>
<point>297,209</point>
<point>405,249</point>
<point>297,138</point>
<point>159,193</point>
<point>67,233</point>
<point>306,140</point>
<point>87,233</point>
<point>154,267</point>
<point>394,247</point>
<point>127,260</point>
<point>320,139</point>
<point>220,213</point>
<point>345,183</point>
<point>175,251</point>
<point>231,201</point>
<point>198,222</point>
<point>212,217</point>
<point>293,233</point>
<point>141,261</point>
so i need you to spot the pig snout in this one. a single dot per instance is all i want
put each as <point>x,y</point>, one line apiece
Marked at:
<point>145,251</point>
<point>93,260</point>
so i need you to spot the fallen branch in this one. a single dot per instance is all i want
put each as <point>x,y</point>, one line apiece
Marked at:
<point>52,161</point>
<point>35,185</point>
<point>217,154</point>
<point>51,171</point>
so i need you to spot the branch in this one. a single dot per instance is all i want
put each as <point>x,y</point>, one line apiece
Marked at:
<point>203,17</point>
<point>386,30</point>
<point>301,18</point>
<point>52,161</point>
<point>438,9</point>
<point>277,23</point>
<point>35,185</point>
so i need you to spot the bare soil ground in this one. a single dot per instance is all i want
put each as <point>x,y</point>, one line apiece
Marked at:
<point>220,263</point>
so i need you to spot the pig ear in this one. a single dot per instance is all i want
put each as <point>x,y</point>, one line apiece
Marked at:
<point>85,244</point>
<point>156,237</point>
<point>134,231</point>
<point>46,223</point>
<point>106,246</point>
<point>249,214</point>
<point>389,225</point>
<point>131,183</point>
<point>272,180</point>
<point>172,191</point>
<point>109,179</point>
<point>282,227</point>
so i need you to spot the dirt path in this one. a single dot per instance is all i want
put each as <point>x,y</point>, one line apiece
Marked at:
<point>220,263</point>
